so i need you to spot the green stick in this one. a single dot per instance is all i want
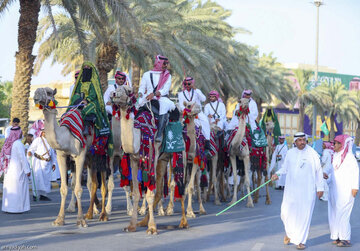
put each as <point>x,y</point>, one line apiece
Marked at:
<point>243,198</point>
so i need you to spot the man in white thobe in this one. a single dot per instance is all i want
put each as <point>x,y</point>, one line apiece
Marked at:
<point>15,123</point>
<point>277,161</point>
<point>215,110</point>
<point>191,94</point>
<point>120,79</point>
<point>13,163</point>
<point>43,164</point>
<point>343,181</point>
<point>251,117</point>
<point>155,85</point>
<point>304,181</point>
<point>326,164</point>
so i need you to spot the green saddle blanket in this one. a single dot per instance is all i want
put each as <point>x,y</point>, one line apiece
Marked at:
<point>173,139</point>
<point>258,138</point>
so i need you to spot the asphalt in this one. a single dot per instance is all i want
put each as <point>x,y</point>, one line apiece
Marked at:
<point>240,228</point>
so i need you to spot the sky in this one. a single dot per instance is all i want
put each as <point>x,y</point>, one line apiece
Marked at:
<point>287,28</point>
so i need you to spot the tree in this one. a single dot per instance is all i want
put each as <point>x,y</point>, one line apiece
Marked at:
<point>335,100</point>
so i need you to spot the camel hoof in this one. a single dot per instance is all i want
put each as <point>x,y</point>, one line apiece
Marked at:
<point>231,202</point>
<point>70,210</point>
<point>89,216</point>
<point>58,222</point>
<point>184,224</point>
<point>170,211</point>
<point>268,202</point>
<point>250,205</point>
<point>96,211</point>
<point>217,203</point>
<point>142,211</point>
<point>108,210</point>
<point>161,212</point>
<point>190,214</point>
<point>129,212</point>
<point>130,229</point>
<point>81,223</point>
<point>152,231</point>
<point>103,217</point>
<point>202,212</point>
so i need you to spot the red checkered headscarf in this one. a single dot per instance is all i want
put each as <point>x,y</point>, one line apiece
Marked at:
<point>15,134</point>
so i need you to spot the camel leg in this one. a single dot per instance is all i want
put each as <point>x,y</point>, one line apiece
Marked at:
<point>78,189</point>
<point>259,179</point>
<point>150,195</point>
<point>183,221</point>
<point>60,220</point>
<point>222,186</point>
<point>136,195</point>
<point>160,189</point>
<point>103,214</point>
<point>190,191</point>
<point>93,188</point>
<point>110,187</point>
<point>129,206</point>
<point>197,180</point>
<point>170,207</point>
<point>142,210</point>
<point>214,179</point>
<point>233,165</point>
<point>210,188</point>
<point>247,180</point>
<point>89,187</point>
<point>268,201</point>
<point>253,177</point>
<point>71,207</point>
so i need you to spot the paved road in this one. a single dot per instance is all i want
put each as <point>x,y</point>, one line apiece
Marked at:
<point>240,228</point>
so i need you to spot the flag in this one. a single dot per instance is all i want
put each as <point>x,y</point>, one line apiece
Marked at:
<point>324,128</point>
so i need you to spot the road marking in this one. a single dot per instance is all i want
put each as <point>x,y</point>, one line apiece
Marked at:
<point>257,247</point>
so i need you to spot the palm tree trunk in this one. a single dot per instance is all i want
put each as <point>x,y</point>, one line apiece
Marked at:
<point>357,134</point>
<point>258,103</point>
<point>332,127</point>
<point>28,23</point>
<point>105,62</point>
<point>301,117</point>
<point>135,76</point>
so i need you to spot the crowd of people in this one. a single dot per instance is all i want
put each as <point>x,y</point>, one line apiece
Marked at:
<point>299,171</point>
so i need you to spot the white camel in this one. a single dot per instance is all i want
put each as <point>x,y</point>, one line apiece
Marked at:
<point>244,154</point>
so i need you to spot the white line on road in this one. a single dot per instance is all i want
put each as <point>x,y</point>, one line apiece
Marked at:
<point>257,247</point>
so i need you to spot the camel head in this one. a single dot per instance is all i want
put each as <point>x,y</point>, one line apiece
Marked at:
<point>44,97</point>
<point>192,108</point>
<point>270,126</point>
<point>122,96</point>
<point>243,107</point>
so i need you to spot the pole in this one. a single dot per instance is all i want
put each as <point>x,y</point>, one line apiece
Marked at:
<point>317,4</point>
<point>243,198</point>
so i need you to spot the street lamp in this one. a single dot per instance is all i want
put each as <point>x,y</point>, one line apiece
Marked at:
<point>317,3</point>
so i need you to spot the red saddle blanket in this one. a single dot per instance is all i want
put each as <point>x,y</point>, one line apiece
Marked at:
<point>73,121</point>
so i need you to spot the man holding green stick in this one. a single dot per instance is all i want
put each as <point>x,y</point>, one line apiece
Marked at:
<point>304,181</point>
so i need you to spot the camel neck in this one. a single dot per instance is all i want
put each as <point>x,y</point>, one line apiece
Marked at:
<point>50,127</point>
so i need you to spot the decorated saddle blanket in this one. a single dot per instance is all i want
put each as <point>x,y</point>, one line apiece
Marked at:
<point>245,141</point>
<point>147,148</point>
<point>73,121</point>
<point>173,140</point>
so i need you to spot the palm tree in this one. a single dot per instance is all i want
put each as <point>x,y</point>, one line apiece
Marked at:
<point>28,22</point>
<point>304,95</point>
<point>335,100</point>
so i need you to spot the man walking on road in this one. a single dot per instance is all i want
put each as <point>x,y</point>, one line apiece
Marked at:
<point>343,180</point>
<point>304,180</point>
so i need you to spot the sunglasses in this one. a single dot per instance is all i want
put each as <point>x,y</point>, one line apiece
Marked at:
<point>121,78</point>
<point>165,63</point>
<point>189,83</point>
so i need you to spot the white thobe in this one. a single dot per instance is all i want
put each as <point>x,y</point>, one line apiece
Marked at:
<point>340,203</point>
<point>198,97</point>
<point>217,110</point>
<point>304,177</point>
<point>7,131</point>
<point>16,183</point>
<point>327,166</point>
<point>42,169</point>
<point>250,118</point>
<point>277,161</point>
<point>146,88</point>
<point>110,88</point>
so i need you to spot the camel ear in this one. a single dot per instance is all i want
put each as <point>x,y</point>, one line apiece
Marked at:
<point>55,91</point>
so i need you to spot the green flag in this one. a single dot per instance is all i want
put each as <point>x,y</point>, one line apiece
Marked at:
<point>324,128</point>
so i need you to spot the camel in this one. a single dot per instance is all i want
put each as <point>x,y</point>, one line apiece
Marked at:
<point>244,154</point>
<point>60,138</point>
<point>130,141</point>
<point>270,138</point>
